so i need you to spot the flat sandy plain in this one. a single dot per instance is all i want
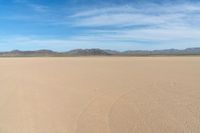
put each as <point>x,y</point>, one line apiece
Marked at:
<point>100,95</point>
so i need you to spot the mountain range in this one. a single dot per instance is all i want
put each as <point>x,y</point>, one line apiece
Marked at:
<point>101,52</point>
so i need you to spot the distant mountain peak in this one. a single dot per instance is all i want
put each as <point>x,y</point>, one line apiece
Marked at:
<point>100,52</point>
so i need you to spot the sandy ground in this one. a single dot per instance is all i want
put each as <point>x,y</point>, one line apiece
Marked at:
<point>100,95</point>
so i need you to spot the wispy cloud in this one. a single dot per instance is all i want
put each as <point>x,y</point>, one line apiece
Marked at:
<point>118,27</point>
<point>39,8</point>
<point>35,7</point>
<point>127,15</point>
<point>172,24</point>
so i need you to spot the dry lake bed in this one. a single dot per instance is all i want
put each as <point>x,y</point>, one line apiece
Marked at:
<point>100,95</point>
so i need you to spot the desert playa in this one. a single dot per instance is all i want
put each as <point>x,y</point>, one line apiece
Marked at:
<point>100,95</point>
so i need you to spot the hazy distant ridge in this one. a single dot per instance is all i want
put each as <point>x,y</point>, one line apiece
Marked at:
<point>100,52</point>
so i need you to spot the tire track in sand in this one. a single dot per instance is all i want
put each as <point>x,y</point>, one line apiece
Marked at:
<point>94,118</point>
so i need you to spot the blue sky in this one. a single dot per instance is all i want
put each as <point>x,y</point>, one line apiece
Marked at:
<point>108,24</point>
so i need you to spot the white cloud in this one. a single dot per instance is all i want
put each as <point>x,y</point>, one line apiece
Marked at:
<point>127,15</point>
<point>126,19</point>
<point>162,25</point>
<point>123,27</point>
<point>38,8</point>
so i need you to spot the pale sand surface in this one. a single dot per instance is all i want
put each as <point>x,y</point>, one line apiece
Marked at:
<point>100,95</point>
